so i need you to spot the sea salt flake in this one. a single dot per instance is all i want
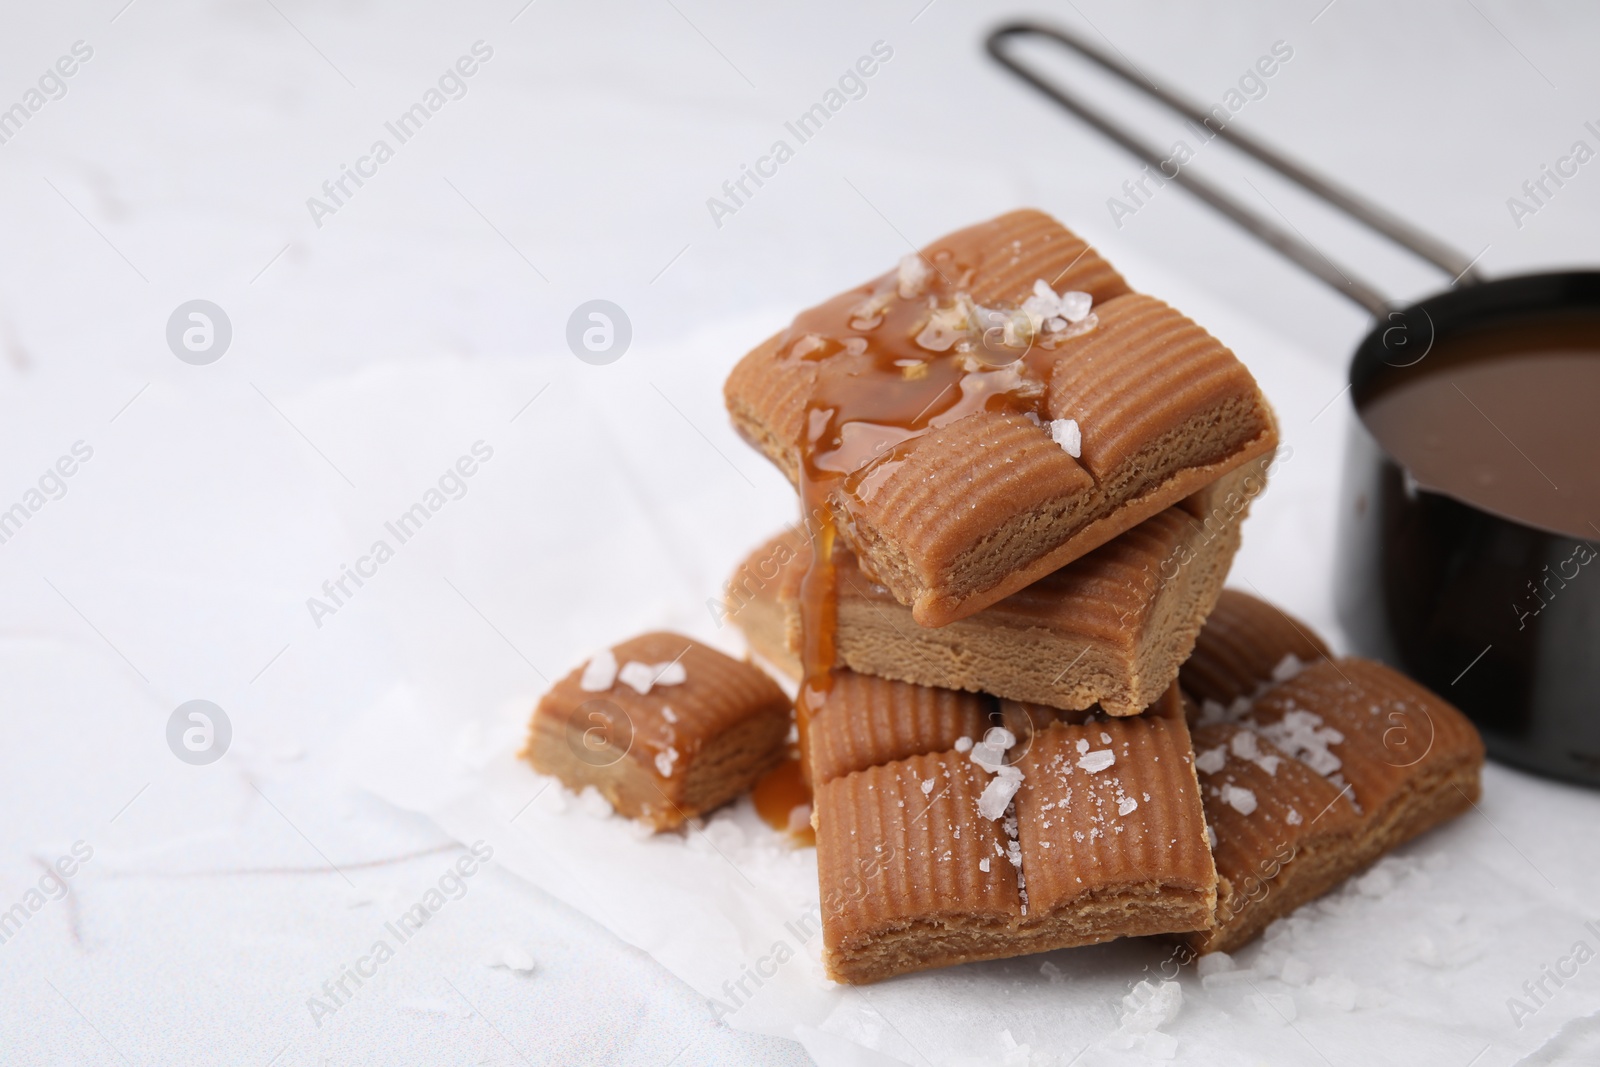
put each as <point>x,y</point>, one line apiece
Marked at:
<point>1293,818</point>
<point>1098,760</point>
<point>927,786</point>
<point>1289,666</point>
<point>642,677</point>
<point>1211,760</point>
<point>1075,305</point>
<point>1127,806</point>
<point>913,275</point>
<point>963,744</point>
<point>600,674</point>
<point>1065,433</point>
<point>983,865</point>
<point>997,796</point>
<point>512,958</point>
<point>1083,745</point>
<point>668,714</point>
<point>665,760</point>
<point>1239,799</point>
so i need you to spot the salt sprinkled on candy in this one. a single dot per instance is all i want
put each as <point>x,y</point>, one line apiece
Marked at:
<point>983,865</point>
<point>1083,746</point>
<point>1293,818</point>
<point>927,786</point>
<point>1287,668</point>
<point>1065,433</point>
<point>963,744</point>
<point>1075,305</point>
<point>600,674</point>
<point>642,677</point>
<point>1211,760</point>
<point>1127,806</point>
<point>998,793</point>
<point>914,275</point>
<point>668,714</point>
<point>1211,839</point>
<point>1239,799</point>
<point>665,760</point>
<point>1098,760</point>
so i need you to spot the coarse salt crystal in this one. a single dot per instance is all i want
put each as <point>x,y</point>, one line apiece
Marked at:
<point>1239,799</point>
<point>1075,305</point>
<point>1127,806</point>
<point>1211,760</point>
<point>914,274</point>
<point>668,714</point>
<point>1065,433</point>
<point>1083,746</point>
<point>963,744</point>
<point>600,674</point>
<point>927,786</point>
<point>1293,818</point>
<point>983,865</point>
<point>642,677</point>
<point>1098,760</point>
<point>997,795</point>
<point>665,760</point>
<point>1287,668</point>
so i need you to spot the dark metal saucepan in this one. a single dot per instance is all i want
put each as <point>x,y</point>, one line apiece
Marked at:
<point>1425,581</point>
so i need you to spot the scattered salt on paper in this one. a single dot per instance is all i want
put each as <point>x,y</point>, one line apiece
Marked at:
<point>512,958</point>
<point>1213,963</point>
<point>600,673</point>
<point>1150,1007</point>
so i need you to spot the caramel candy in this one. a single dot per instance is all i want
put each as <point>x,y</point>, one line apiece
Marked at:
<point>1244,642</point>
<point>1109,629</point>
<point>866,721</point>
<point>974,426</point>
<point>1321,774</point>
<point>663,726</point>
<point>1094,830</point>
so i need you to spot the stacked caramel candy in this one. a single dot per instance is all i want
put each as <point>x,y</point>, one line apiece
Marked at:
<point>1028,715</point>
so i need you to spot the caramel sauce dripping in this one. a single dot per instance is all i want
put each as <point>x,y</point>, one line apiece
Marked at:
<point>877,389</point>
<point>783,800</point>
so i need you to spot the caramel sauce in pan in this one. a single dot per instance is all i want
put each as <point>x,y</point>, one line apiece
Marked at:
<point>879,386</point>
<point>783,800</point>
<point>1505,418</point>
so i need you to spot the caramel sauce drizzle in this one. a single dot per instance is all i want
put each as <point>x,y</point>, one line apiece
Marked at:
<point>877,389</point>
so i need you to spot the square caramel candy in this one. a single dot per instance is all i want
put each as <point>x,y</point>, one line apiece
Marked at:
<point>663,726</point>
<point>997,407</point>
<point>1311,773</point>
<point>1246,644</point>
<point>1111,628</point>
<point>1084,829</point>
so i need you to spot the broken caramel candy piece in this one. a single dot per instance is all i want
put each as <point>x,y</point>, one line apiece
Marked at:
<point>664,727</point>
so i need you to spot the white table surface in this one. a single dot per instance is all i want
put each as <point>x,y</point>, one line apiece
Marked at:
<point>372,350</point>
